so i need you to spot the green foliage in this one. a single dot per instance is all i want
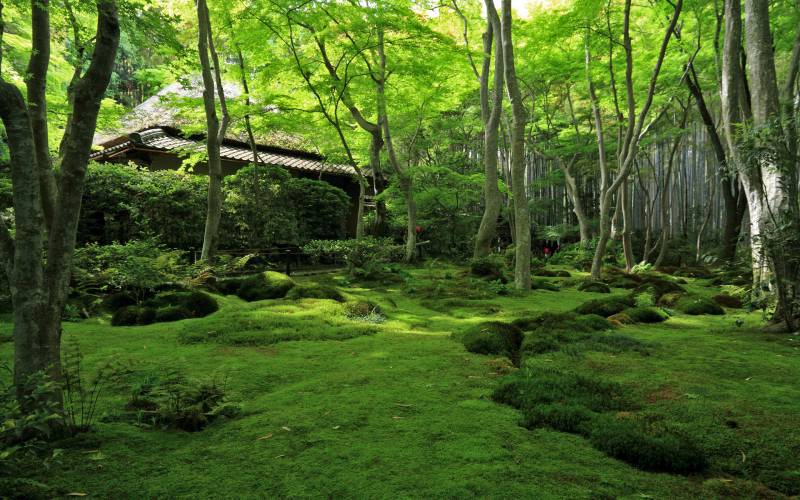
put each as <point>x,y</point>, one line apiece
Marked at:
<point>136,267</point>
<point>265,205</point>
<point>126,202</point>
<point>574,255</point>
<point>179,403</point>
<point>358,254</point>
<point>729,301</point>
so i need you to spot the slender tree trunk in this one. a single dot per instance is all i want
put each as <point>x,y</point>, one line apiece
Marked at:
<point>215,129</point>
<point>491,118</point>
<point>627,223</point>
<point>522,261</point>
<point>403,178</point>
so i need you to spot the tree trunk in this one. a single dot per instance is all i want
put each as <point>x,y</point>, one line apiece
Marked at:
<point>39,287</point>
<point>215,130</point>
<point>491,119</point>
<point>522,261</point>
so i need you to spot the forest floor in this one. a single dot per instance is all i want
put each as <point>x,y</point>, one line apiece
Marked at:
<point>332,407</point>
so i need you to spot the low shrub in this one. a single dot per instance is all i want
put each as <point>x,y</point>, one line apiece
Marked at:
<point>493,337</point>
<point>146,316</point>
<point>263,286</point>
<point>728,301</point>
<point>594,286</point>
<point>659,451</point>
<point>126,316</point>
<point>642,314</point>
<point>315,292</point>
<point>172,313</point>
<point>362,310</point>
<point>696,306</point>
<point>605,307</point>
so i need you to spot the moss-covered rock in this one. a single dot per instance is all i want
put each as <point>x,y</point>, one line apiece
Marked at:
<point>493,337</point>
<point>698,305</point>
<point>644,314</point>
<point>594,286</point>
<point>315,292</point>
<point>263,286</point>
<point>605,307</point>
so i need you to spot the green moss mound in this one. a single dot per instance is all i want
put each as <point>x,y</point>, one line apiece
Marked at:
<point>551,332</point>
<point>657,286</point>
<point>493,337</point>
<point>538,284</point>
<point>586,406</point>
<point>146,316</point>
<point>172,313</point>
<point>670,299</point>
<point>605,307</point>
<point>594,286</point>
<point>656,450</point>
<point>644,314</point>
<point>264,286</point>
<point>697,306</point>
<point>569,321</point>
<point>729,301</point>
<point>315,292</point>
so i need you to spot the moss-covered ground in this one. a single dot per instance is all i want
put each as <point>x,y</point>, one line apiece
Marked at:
<point>335,407</point>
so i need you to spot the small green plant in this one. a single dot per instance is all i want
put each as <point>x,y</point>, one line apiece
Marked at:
<point>644,299</point>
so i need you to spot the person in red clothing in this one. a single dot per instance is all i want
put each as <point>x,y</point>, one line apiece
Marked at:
<point>546,252</point>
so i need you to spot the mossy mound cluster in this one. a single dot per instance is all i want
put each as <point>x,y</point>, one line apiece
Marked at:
<point>592,407</point>
<point>493,337</point>
<point>605,307</point>
<point>361,308</point>
<point>695,306</point>
<point>550,332</point>
<point>315,292</point>
<point>261,286</point>
<point>165,307</point>
<point>594,286</point>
